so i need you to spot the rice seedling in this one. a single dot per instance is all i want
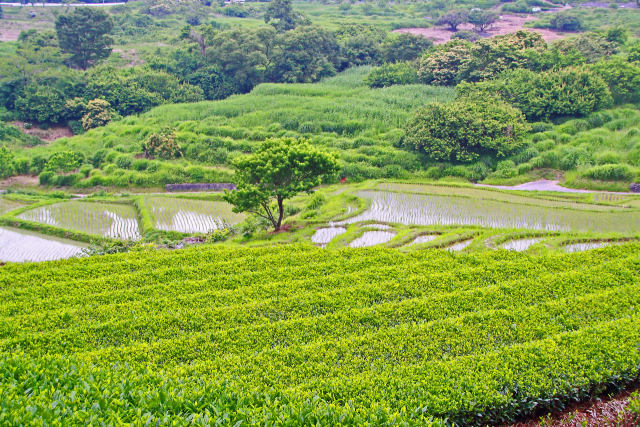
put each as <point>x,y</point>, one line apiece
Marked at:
<point>24,246</point>
<point>117,221</point>
<point>372,238</point>
<point>323,236</point>
<point>7,205</point>
<point>191,215</point>
<point>421,209</point>
<point>520,245</point>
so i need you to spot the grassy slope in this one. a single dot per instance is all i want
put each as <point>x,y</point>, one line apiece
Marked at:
<point>603,138</point>
<point>303,335</point>
<point>358,124</point>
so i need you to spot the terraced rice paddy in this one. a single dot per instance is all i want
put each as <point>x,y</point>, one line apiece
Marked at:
<point>323,236</point>
<point>372,238</point>
<point>103,219</point>
<point>422,209</point>
<point>8,205</point>
<point>585,246</point>
<point>520,245</point>
<point>459,245</point>
<point>423,239</point>
<point>191,215</point>
<point>22,246</point>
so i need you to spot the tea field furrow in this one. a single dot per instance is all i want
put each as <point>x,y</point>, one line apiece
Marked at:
<point>111,328</point>
<point>140,284</point>
<point>373,352</point>
<point>498,386</point>
<point>470,338</point>
<point>171,340</point>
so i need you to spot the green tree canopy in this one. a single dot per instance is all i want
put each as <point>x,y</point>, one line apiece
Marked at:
<point>572,91</point>
<point>277,171</point>
<point>281,15</point>
<point>84,34</point>
<point>463,130</point>
<point>453,19</point>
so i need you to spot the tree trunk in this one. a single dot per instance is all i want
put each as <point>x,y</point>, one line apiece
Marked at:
<point>280,213</point>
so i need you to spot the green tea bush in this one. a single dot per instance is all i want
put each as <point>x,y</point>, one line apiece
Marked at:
<point>216,335</point>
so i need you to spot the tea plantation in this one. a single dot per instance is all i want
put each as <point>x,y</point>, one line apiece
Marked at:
<point>295,335</point>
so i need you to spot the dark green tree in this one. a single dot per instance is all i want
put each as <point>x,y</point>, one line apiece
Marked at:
<point>404,47</point>
<point>463,130</point>
<point>482,19</point>
<point>453,19</point>
<point>277,171</point>
<point>281,15</point>
<point>84,34</point>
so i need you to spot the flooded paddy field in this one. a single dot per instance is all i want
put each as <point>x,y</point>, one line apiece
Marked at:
<point>191,215</point>
<point>323,236</point>
<point>585,246</point>
<point>116,221</point>
<point>520,245</point>
<point>565,200</point>
<point>423,209</point>
<point>423,239</point>
<point>7,205</point>
<point>22,246</point>
<point>372,238</point>
<point>458,246</point>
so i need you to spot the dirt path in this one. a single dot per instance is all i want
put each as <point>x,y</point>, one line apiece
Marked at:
<point>606,411</point>
<point>548,185</point>
<point>505,25</point>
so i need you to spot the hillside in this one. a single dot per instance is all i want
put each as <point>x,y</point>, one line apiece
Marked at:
<point>341,114</point>
<point>300,335</point>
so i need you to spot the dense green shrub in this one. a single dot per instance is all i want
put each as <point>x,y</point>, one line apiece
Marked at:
<point>565,22</point>
<point>463,130</point>
<point>609,173</point>
<point>565,92</point>
<point>162,144</point>
<point>7,166</point>
<point>400,73</point>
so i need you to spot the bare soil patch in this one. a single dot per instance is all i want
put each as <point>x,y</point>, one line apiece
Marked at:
<point>49,135</point>
<point>131,56</point>
<point>11,29</point>
<point>20,181</point>
<point>505,25</point>
<point>599,412</point>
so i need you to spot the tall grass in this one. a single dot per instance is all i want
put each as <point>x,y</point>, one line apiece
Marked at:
<point>362,126</point>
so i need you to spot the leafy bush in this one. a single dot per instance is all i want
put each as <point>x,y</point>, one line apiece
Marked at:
<point>400,73</point>
<point>7,167</point>
<point>609,173</point>
<point>564,22</point>
<point>162,144</point>
<point>465,129</point>
<point>566,92</point>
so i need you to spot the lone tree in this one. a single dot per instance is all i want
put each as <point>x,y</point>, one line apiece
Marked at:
<point>278,170</point>
<point>282,16</point>
<point>482,19</point>
<point>84,34</point>
<point>453,19</point>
